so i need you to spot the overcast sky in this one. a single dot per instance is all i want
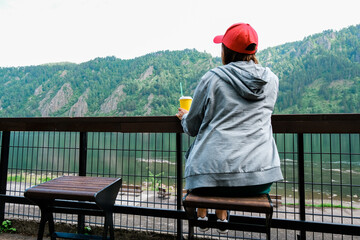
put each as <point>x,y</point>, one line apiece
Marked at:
<point>34,32</point>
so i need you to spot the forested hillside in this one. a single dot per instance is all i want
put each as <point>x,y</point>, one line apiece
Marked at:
<point>320,74</point>
<point>148,85</point>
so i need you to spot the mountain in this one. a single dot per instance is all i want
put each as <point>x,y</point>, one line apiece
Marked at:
<point>147,85</point>
<point>320,74</point>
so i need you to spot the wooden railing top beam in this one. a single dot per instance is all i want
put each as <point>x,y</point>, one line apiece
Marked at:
<point>309,123</point>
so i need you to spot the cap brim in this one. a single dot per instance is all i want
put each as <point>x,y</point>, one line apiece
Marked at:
<point>218,39</point>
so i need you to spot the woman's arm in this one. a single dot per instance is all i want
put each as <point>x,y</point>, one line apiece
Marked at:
<point>181,113</point>
<point>192,120</point>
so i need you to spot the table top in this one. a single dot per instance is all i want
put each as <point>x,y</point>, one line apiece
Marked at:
<point>72,188</point>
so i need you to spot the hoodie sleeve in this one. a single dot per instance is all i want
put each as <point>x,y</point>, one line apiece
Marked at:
<point>192,121</point>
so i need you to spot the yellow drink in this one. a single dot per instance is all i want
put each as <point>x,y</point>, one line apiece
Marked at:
<point>185,102</point>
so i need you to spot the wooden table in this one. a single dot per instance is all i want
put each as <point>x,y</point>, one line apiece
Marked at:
<point>103,191</point>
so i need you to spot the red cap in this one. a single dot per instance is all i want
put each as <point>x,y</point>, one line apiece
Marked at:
<point>238,37</point>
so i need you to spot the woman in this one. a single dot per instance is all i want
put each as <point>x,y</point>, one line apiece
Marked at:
<point>234,152</point>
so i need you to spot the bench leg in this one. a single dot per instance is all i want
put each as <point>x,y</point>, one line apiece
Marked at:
<point>46,216</point>
<point>268,225</point>
<point>51,226</point>
<point>81,223</point>
<point>191,229</point>
<point>109,226</point>
<point>41,227</point>
<point>191,214</point>
<point>105,228</point>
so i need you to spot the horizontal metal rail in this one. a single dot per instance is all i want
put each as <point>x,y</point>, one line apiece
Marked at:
<point>90,208</point>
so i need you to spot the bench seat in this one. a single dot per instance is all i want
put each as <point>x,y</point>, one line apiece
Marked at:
<point>257,204</point>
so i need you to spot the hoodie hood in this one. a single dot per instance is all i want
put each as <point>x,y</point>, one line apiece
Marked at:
<point>247,78</point>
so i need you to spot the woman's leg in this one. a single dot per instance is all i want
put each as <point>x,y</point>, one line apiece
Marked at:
<point>201,212</point>
<point>202,215</point>
<point>221,214</point>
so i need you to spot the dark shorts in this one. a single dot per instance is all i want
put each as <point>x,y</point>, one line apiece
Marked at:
<point>242,191</point>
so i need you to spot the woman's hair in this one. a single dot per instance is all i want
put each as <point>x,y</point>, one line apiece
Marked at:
<point>232,56</point>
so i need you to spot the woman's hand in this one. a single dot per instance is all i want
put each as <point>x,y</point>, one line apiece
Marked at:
<point>181,113</point>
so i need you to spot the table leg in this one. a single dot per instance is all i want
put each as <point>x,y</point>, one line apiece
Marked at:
<point>106,226</point>
<point>46,216</point>
<point>51,225</point>
<point>111,226</point>
<point>41,226</point>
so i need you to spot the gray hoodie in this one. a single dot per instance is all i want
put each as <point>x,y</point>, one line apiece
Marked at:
<point>231,118</point>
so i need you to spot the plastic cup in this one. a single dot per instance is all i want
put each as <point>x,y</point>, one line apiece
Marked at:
<point>185,102</point>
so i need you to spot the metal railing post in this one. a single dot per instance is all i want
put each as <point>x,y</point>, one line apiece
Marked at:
<point>301,180</point>
<point>82,172</point>
<point>4,164</point>
<point>83,154</point>
<point>179,170</point>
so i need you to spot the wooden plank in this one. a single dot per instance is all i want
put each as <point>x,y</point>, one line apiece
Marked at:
<point>126,186</point>
<point>131,189</point>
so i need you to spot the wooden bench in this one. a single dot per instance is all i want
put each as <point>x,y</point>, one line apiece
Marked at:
<point>130,189</point>
<point>276,200</point>
<point>257,204</point>
<point>102,191</point>
<point>163,193</point>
